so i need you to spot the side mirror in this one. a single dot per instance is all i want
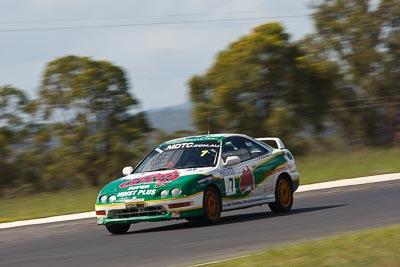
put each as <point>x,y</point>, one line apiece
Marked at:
<point>231,160</point>
<point>127,170</point>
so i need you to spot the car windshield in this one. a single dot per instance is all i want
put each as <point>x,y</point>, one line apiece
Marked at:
<point>181,156</point>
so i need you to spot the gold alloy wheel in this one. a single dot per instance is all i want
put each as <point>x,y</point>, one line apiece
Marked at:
<point>284,193</point>
<point>211,204</point>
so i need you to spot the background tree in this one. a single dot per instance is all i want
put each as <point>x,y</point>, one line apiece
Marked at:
<point>14,116</point>
<point>363,38</point>
<point>14,108</point>
<point>88,107</point>
<point>259,84</point>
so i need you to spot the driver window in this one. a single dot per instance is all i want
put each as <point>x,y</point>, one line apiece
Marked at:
<point>255,149</point>
<point>235,146</point>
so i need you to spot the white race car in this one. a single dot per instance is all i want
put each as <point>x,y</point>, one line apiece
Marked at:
<point>198,177</point>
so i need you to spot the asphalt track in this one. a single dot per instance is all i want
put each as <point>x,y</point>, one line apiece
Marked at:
<point>179,243</point>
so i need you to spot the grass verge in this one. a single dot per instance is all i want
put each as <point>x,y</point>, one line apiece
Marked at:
<point>313,168</point>
<point>323,167</point>
<point>47,204</point>
<point>373,248</point>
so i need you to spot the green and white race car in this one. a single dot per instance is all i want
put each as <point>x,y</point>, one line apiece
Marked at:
<point>198,177</point>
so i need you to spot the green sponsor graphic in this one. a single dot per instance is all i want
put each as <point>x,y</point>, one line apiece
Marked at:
<point>138,188</point>
<point>249,178</point>
<point>194,139</point>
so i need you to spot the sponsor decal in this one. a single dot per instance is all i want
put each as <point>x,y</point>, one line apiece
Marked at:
<point>136,187</point>
<point>230,187</point>
<point>142,192</point>
<point>229,179</point>
<point>190,145</point>
<point>247,180</point>
<point>176,215</point>
<point>158,178</point>
<point>205,179</point>
<point>247,200</point>
<point>226,171</point>
<point>161,183</point>
<point>135,204</point>
<point>135,199</point>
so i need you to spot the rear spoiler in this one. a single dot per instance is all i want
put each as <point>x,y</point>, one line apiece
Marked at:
<point>278,141</point>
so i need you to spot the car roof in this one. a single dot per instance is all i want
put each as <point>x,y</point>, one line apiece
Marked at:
<point>206,137</point>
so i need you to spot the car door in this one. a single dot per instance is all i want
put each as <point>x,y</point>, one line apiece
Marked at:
<point>239,179</point>
<point>259,156</point>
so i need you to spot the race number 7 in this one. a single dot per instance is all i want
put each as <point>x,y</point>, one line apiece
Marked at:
<point>203,153</point>
<point>230,187</point>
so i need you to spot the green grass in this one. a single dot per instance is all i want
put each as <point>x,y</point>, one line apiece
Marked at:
<point>313,169</point>
<point>324,167</point>
<point>373,248</point>
<point>47,204</point>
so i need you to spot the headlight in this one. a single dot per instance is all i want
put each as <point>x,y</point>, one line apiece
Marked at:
<point>103,198</point>
<point>164,193</point>
<point>112,198</point>
<point>175,192</point>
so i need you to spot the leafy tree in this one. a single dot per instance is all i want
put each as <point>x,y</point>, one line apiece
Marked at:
<point>259,82</point>
<point>89,107</point>
<point>363,38</point>
<point>14,115</point>
<point>14,108</point>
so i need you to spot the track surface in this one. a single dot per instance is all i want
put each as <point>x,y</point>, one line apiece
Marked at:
<point>180,243</point>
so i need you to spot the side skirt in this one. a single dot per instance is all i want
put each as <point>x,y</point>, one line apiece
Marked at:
<point>246,203</point>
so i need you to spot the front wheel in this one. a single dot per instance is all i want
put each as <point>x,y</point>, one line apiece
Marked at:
<point>212,205</point>
<point>118,229</point>
<point>283,196</point>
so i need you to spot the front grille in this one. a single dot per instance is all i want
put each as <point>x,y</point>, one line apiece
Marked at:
<point>137,212</point>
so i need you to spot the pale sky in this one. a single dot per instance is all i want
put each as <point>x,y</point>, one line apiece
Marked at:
<point>159,43</point>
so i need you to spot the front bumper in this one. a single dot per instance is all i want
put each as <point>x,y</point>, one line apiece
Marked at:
<point>152,210</point>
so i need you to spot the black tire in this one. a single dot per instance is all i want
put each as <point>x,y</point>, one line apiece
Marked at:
<point>212,205</point>
<point>283,196</point>
<point>118,229</point>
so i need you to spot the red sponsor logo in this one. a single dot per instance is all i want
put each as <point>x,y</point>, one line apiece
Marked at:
<point>159,178</point>
<point>247,181</point>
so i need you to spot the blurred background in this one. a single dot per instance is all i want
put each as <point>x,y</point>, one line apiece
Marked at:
<point>321,75</point>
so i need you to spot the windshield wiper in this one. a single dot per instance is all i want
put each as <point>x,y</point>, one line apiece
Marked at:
<point>183,167</point>
<point>159,169</point>
<point>195,166</point>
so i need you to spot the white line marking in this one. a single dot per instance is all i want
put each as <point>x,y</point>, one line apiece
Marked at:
<point>349,182</point>
<point>302,188</point>
<point>61,218</point>
<point>234,258</point>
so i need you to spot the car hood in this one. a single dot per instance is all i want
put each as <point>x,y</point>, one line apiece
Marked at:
<point>146,185</point>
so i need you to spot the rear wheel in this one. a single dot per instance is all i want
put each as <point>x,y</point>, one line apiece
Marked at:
<point>283,196</point>
<point>212,205</point>
<point>118,229</point>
